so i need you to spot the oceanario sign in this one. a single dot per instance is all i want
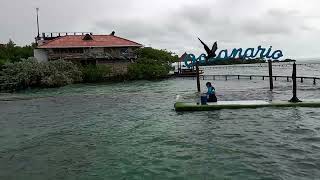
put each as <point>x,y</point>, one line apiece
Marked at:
<point>237,53</point>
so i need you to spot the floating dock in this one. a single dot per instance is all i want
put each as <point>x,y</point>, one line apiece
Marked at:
<point>185,106</point>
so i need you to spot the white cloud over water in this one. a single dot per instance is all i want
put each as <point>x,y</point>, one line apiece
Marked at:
<point>290,25</point>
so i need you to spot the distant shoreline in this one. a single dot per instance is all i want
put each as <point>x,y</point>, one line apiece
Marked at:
<point>244,61</point>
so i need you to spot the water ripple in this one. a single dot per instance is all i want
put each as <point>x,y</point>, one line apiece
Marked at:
<point>129,131</point>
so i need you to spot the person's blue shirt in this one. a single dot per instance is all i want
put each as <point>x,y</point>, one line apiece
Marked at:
<point>211,90</point>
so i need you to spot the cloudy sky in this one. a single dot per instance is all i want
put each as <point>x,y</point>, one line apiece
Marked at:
<point>290,25</point>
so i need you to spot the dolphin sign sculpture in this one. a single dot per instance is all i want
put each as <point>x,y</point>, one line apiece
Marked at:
<point>190,60</point>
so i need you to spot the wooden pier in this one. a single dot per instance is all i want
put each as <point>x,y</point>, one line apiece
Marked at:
<point>262,77</point>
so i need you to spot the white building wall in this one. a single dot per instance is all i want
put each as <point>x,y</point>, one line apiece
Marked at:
<point>41,55</point>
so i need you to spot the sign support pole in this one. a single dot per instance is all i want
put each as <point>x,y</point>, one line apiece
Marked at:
<point>270,74</point>
<point>198,76</point>
<point>294,98</point>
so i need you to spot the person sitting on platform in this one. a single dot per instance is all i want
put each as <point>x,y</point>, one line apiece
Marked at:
<point>211,93</point>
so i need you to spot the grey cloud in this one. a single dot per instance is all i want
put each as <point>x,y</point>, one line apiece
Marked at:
<point>275,22</point>
<point>178,30</point>
<point>174,25</point>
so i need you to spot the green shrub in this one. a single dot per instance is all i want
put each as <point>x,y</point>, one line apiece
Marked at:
<point>147,69</point>
<point>96,73</point>
<point>2,63</point>
<point>12,53</point>
<point>59,73</point>
<point>30,73</point>
<point>157,55</point>
<point>151,64</point>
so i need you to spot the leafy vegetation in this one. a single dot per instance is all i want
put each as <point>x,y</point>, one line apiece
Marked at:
<point>10,52</point>
<point>95,73</point>
<point>157,55</point>
<point>147,69</point>
<point>30,73</point>
<point>151,64</point>
<point>289,60</point>
<point>232,61</point>
<point>18,71</point>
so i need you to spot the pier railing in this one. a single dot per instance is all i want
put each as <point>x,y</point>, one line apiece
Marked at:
<point>263,77</point>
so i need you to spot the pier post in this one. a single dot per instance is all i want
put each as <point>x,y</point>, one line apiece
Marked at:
<point>198,76</point>
<point>294,88</point>
<point>270,74</point>
<point>314,81</point>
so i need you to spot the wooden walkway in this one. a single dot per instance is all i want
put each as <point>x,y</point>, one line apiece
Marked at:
<point>263,77</point>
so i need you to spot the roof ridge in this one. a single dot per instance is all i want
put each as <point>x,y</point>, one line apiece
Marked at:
<point>64,41</point>
<point>125,39</point>
<point>52,41</point>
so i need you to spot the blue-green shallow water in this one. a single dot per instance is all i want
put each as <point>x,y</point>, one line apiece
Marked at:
<point>130,131</point>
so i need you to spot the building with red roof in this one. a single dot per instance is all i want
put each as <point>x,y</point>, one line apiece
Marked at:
<point>88,41</point>
<point>86,48</point>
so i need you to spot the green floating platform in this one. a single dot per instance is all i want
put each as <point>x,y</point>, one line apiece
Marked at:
<point>184,106</point>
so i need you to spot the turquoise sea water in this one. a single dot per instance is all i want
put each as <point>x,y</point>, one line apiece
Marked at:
<point>130,131</point>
